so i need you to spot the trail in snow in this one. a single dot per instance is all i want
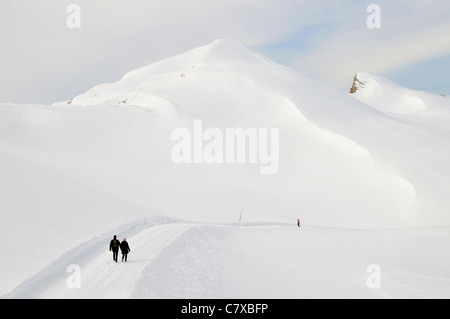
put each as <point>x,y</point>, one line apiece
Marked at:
<point>101,277</point>
<point>176,259</point>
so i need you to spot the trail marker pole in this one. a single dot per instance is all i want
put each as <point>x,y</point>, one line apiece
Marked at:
<point>240,216</point>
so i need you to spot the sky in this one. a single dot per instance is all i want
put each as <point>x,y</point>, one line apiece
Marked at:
<point>45,59</point>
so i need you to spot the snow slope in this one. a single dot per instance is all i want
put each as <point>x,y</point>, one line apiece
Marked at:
<point>359,177</point>
<point>251,91</point>
<point>387,96</point>
<point>419,148</point>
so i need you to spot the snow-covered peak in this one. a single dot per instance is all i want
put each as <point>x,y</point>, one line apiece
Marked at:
<point>218,50</point>
<point>386,95</point>
<point>224,49</point>
<point>221,63</point>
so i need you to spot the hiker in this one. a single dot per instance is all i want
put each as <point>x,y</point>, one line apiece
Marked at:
<point>125,248</point>
<point>298,222</point>
<point>114,247</point>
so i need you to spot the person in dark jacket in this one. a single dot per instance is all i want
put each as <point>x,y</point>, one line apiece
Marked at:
<point>125,248</point>
<point>114,247</point>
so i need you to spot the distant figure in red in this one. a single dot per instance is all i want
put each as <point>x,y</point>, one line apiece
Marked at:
<point>298,222</point>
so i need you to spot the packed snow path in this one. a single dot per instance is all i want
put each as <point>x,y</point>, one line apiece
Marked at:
<point>253,260</point>
<point>101,277</point>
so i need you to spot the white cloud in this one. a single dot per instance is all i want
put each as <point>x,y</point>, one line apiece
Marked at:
<point>409,33</point>
<point>42,60</point>
<point>117,36</point>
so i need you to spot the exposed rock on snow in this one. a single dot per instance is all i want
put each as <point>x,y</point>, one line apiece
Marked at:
<point>356,84</point>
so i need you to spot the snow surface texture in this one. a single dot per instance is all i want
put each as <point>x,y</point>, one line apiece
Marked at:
<point>367,174</point>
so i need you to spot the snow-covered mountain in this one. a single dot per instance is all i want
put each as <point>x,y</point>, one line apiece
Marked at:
<point>359,170</point>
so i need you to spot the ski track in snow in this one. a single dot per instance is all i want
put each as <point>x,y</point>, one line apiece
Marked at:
<point>101,277</point>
